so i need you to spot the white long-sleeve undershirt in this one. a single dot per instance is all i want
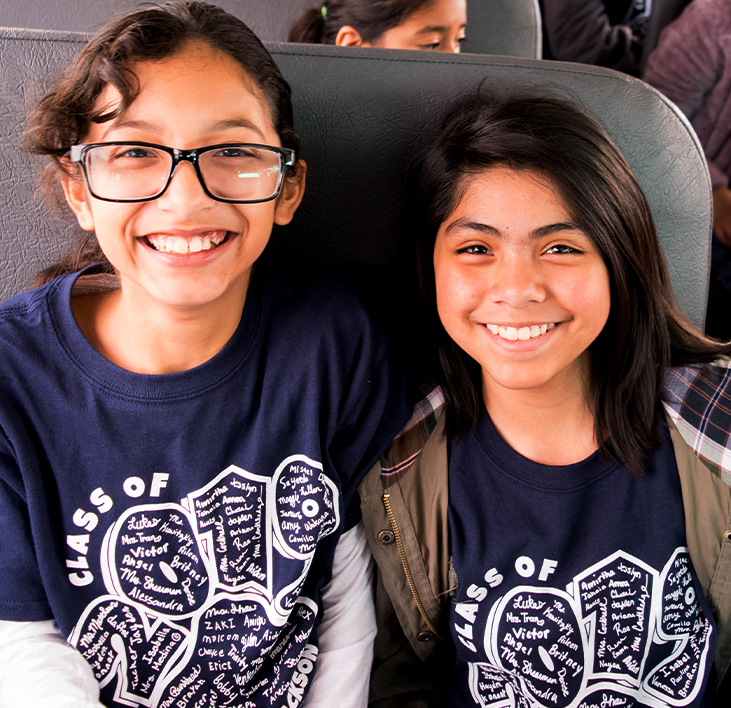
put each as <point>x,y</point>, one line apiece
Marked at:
<point>38,669</point>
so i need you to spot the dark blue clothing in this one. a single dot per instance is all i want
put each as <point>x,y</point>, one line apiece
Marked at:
<point>575,583</point>
<point>180,528</point>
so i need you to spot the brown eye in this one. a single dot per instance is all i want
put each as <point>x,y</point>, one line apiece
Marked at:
<point>475,250</point>
<point>562,248</point>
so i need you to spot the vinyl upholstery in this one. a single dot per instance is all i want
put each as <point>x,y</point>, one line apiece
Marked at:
<point>510,27</point>
<point>360,114</point>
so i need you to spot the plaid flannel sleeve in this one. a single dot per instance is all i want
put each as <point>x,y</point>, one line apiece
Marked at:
<point>698,400</point>
<point>407,445</point>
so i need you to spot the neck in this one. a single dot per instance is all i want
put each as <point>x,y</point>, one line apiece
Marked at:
<point>155,338</point>
<point>554,427</point>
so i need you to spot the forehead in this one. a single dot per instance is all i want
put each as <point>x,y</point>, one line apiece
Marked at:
<point>195,85</point>
<point>442,13</point>
<point>503,189</point>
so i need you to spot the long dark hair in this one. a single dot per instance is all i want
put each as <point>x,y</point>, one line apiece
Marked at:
<point>646,331</point>
<point>63,117</point>
<point>321,24</point>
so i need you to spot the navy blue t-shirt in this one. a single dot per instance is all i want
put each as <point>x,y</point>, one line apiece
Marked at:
<point>575,584</point>
<point>180,528</point>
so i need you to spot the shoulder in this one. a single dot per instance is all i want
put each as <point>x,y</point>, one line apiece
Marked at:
<point>320,312</point>
<point>697,398</point>
<point>26,314</point>
<point>702,21</point>
<point>319,295</point>
<point>708,10</point>
<point>698,389</point>
<point>406,447</point>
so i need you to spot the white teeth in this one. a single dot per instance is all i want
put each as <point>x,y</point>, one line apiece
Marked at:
<point>183,246</point>
<point>513,333</point>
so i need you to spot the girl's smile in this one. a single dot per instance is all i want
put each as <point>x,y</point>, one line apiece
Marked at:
<point>519,287</point>
<point>520,332</point>
<point>185,248</point>
<point>183,258</point>
<point>182,243</point>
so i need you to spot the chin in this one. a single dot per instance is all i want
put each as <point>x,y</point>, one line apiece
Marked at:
<point>184,295</point>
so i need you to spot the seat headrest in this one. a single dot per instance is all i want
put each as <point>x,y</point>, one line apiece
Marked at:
<point>361,114</point>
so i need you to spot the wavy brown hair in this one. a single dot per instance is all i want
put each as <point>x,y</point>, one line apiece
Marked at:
<point>63,117</point>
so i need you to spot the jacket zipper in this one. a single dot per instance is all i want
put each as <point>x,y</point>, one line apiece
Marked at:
<point>404,563</point>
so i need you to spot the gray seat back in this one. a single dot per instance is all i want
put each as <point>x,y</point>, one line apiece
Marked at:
<point>361,115</point>
<point>509,27</point>
<point>270,19</point>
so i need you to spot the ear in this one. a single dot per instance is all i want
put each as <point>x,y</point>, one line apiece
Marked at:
<point>350,37</point>
<point>78,198</point>
<point>293,188</point>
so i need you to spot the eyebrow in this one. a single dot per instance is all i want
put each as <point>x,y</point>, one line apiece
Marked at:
<point>226,124</point>
<point>236,123</point>
<point>436,28</point>
<point>540,232</point>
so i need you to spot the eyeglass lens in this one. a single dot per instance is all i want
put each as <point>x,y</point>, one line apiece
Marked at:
<point>237,172</point>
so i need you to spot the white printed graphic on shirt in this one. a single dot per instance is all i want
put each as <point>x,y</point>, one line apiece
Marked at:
<point>588,646</point>
<point>204,599</point>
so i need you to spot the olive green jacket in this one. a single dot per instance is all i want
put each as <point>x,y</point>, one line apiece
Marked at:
<point>404,502</point>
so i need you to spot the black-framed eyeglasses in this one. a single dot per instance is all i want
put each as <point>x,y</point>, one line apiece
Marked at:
<point>240,173</point>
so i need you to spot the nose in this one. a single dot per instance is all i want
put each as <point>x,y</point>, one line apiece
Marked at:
<point>516,282</point>
<point>185,195</point>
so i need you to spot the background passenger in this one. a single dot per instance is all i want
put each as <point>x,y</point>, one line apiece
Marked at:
<point>692,67</point>
<point>181,431</point>
<point>437,25</point>
<point>602,32</point>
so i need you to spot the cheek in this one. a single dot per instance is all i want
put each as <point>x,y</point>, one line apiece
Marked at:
<point>457,298</point>
<point>591,296</point>
<point>111,221</point>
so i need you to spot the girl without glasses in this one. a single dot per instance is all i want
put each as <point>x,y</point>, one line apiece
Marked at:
<point>437,25</point>
<point>181,432</point>
<point>557,505</point>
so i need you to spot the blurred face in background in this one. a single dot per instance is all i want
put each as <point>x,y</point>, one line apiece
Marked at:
<point>440,26</point>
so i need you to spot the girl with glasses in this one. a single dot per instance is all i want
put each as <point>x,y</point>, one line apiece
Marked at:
<point>436,25</point>
<point>181,432</point>
<point>560,509</point>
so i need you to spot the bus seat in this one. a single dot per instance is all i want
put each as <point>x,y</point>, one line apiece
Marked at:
<point>506,27</point>
<point>509,27</point>
<point>361,114</point>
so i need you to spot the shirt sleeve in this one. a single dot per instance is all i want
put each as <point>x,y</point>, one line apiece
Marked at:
<point>687,64</point>
<point>348,628</point>
<point>38,669</point>
<point>22,596</point>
